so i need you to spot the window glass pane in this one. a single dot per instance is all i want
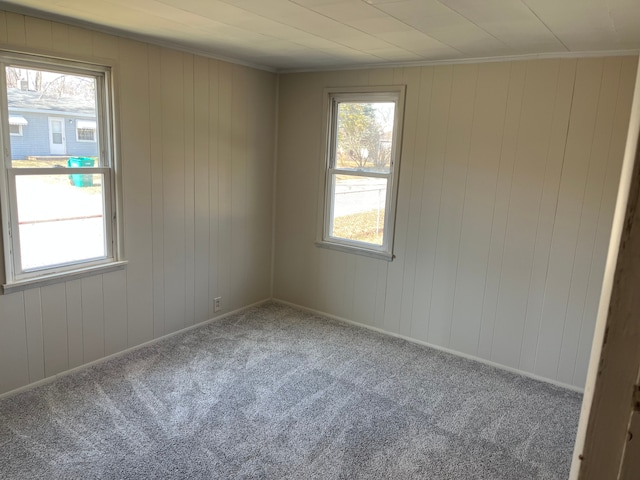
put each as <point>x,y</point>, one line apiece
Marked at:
<point>358,208</point>
<point>51,108</point>
<point>364,136</point>
<point>60,219</point>
<point>86,135</point>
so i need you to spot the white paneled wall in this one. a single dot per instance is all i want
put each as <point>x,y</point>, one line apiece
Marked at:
<point>507,187</point>
<point>508,181</point>
<point>197,143</point>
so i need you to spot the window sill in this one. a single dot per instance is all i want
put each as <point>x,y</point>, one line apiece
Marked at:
<point>357,250</point>
<point>50,279</point>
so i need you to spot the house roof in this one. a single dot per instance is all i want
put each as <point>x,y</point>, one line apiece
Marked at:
<point>27,100</point>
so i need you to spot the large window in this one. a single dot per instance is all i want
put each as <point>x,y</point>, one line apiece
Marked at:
<point>361,176</point>
<point>58,196</point>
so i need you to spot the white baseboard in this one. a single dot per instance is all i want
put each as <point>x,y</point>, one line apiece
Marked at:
<point>52,378</point>
<point>84,366</point>
<point>436,347</point>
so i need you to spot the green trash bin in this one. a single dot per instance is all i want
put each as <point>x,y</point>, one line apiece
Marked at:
<point>79,179</point>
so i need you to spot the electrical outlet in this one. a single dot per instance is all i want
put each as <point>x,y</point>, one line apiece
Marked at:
<point>216,304</point>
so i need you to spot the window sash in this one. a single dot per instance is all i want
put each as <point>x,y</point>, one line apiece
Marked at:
<point>8,174</point>
<point>394,95</point>
<point>330,208</point>
<point>108,221</point>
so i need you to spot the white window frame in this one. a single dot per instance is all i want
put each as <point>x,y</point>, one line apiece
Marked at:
<point>80,140</point>
<point>15,278</point>
<point>19,134</point>
<point>333,96</point>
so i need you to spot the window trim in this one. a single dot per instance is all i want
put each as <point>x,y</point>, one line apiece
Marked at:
<point>331,98</point>
<point>19,134</point>
<point>14,279</point>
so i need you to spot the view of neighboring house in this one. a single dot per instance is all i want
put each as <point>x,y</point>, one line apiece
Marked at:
<point>44,124</point>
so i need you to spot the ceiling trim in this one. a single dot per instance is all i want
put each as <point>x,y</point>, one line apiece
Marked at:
<point>123,34</point>
<point>457,61</point>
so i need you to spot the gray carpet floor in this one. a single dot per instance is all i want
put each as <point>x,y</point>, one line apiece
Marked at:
<point>277,393</point>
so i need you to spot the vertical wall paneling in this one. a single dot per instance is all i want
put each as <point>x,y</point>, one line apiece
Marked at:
<point>417,132</point>
<point>92,318</point>
<point>315,261</point>
<point>571,196</point>
<point>201,192</point>
<point>252,188</point>
<point>54,329</point>
<point>430,201</point>
<point>260,106</point>
<point>415,208</point>
<point>16,33</point>
<point>475,234</point>
<point>218,178</point>
<point>588,225</point>
<point>395,274</point>
<point>157,182</point>
<point>105,46</point>
<point>135,140</point>
<point>35,340</point>
<point>38,32</point>
<point>59,37</point>
<point>547,213</point>
<point>75,342</point>
<point>114,286</point>
<point>538,104</point>
<point>288,115</point>
<point>505,203</point>
<point>173,194</point>
<point>80,41</point>
<point>13,343</point>
<point>3,26</point>
<point>189,190</point>
<point>266,97</point>
<point>196,158</point>
<point>239,107</point>
<point>452,201</point>
<point>499,216</point>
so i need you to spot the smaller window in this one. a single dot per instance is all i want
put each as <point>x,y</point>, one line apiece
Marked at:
<point>361,169</point>
<point>16,123</point>
<point>85,131</point>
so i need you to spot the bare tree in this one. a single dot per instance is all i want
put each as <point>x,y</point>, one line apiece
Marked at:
<point>48,83</point>
<point>361,135</point>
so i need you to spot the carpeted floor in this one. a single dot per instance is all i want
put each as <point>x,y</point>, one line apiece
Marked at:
<point>277,393</point>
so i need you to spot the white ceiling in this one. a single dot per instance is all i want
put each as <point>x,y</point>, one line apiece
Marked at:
<point>314,34</point>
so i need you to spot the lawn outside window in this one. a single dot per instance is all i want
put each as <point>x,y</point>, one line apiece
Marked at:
<point>58,180</point>
<point>362,157</point>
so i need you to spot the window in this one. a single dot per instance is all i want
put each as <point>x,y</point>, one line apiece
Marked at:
<point>85,131</point>
<point>15,125</point>
<point>58,198</point>
<point>361,175</point>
